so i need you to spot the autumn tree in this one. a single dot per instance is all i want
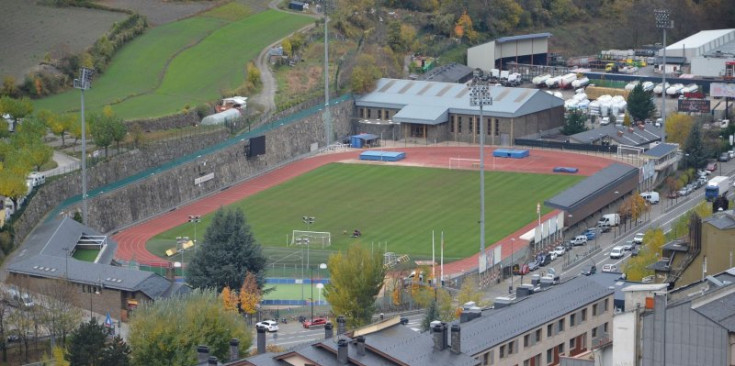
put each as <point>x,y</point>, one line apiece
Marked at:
<point>250,294</point>
<point>633,207</point>
<point>364,74</point>
<point>168,331</point>
<point>12,186</point>
<point>432,314</point>
<point>253,75</point>
<point>229,299</point>
<point>636,268</point>
<point>287,48</point>
<point>16,108</point>
<point>228,252</point>
<point>356,278</point>
<point>678,127</point>
<point>464,29</point>
<point>469,291</point>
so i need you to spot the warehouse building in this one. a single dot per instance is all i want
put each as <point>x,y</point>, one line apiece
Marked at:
<point>430,112</point>
<point>707,51</point>
<point>529,49</point>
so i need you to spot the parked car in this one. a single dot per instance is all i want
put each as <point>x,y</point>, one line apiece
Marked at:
<point>617,252</point>
<point>634,252</point>
<point>638,238</point>
<point>712,166</point>
<point>543,259</point>
<point>629,245</point>
<point>732,154</point>
<point>724,157</point>
<point>703,173</point>
<point>560,250</point>
<point>651,197</point>
<point>684,191</point>
<point>589,269</point>
<point>605,229</point>
<point>672,194</point>
<point>269,325</point>
<point>579,240</point>
<point>609,268</point>
<point>590,233</point>
<point>18,299</point>
<point>552,255</point>
<point>532,265</point>
<point>316,322</point>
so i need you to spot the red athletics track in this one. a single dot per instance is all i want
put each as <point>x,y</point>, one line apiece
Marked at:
<point>131,241</point>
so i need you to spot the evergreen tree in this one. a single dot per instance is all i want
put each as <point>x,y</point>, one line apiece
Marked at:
<point>574,123</point>
<point>117,353</point>
<point>432,313</point>
<point>228,252</point>
<point>640,104</point>
<point>697,157</point>
<point>87,344</point>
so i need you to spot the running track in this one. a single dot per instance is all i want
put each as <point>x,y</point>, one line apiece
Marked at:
<point>131,241</point>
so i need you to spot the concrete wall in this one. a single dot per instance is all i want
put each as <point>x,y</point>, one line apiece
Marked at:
<point>718,247</point>
<point>175,186</point>
<point>482,56</point>
<point>624,338</point>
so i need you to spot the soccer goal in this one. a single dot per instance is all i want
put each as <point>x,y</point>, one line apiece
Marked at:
<point>463,163</point>
<point>629,150</point>
<point>300,237</point>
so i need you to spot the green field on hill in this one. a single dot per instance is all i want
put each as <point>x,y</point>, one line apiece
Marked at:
<point>187,62</point>
<point>392,206</point>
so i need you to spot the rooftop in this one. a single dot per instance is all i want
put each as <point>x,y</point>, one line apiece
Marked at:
<point>724,220</point>
<point>661,150</point>
<point>588,188</point>
<point>699,39</point>
<point>635,136</point>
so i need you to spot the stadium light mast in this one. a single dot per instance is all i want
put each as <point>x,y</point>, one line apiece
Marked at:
<point>480,95</point>
<point>664,22</point>
<point>83,83</point>
<point>327,116</point>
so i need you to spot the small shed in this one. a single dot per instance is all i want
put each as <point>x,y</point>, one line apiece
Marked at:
<point>296,5</point>
<point>222,117</point>
<point>363,139</point>
<point>511,153</point>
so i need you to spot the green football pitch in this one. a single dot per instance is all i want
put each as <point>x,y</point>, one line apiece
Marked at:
<point>394,207</point>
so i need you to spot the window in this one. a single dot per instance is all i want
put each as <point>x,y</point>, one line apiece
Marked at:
<point>487,129</point>
<point>538,335</point>
<point>477,123</point>
<point>380,114</point>
<point>369,113</point>
<point>561,325</point>
<point>526,340</point>
<point>549,355</point>
<point>501,352</point>
<point>387,114</point>
<point>451,124</point>
<point>604,308</point>
<point>512,347</point>
<point>561,348</point>
<point>549,330</point>
<point>572,319</point>
<point>527,362</point>
<point>584,315</point>
<point>459,124</point>
<point>594,309</point>
<point>604,327</point>
<point>472,124</point>
<point>594,332</point>
<point>572,342</point>
<point>486,359</point>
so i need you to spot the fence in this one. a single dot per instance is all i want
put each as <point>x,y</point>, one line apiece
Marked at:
<point>610,149</point>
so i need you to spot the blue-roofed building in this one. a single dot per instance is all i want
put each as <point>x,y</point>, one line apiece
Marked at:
<point>46,265</point>
<point>529,49</point>
<point>432,111</point>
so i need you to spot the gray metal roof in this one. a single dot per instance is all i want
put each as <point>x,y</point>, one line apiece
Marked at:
<point>622,135</point>
<point>720,311</point>
<point>43,254</point>
<point>602,181</point>
<point>522,37</point>
<point>661,150</point>
<point>427,101</point>
<point>451,73</point>
<point>722,220</point>
<point>610,279</point>
<point>497,326</point>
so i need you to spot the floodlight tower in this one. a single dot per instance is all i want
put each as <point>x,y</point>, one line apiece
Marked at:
<point>83,83</point>
<point>664,22</point>
<point>327,116</point>
<point>480,95</point>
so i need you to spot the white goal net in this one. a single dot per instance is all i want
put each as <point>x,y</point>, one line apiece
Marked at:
<point>465,164</point>
<point>322,238</point>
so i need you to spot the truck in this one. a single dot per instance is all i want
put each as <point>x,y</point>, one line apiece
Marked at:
<point>609,220</point>
<point>716,187</point>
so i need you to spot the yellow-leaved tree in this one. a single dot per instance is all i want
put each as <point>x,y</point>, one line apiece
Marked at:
<point>229,299</point>
<point>250,294</point>
<point>636,268</point>
<point>678,127</point>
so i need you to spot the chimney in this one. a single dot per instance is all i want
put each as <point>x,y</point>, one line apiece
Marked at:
<point>361,345</point>
<point>456,339</point>
<point>261,340</point>
<point>342,352</point>
<point>234,349</point>
<point>212,361</point>
<point>328,330</point>
<point>341,324</point>
<point>437,330</point>
<point>202,354</point>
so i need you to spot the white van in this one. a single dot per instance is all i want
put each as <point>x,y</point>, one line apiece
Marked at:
<point>651,197</point>
<point>35,179</point>
<point>617,252</point>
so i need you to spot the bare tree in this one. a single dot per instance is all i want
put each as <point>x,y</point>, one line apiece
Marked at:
<point>57,311</point>
<point>4,312</point>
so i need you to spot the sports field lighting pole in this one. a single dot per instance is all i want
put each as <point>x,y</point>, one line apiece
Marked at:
<point>311,284</point>
<point>308,220</point>
<point>195,219</point>
<point>512,278</point>
<point>327,117</point>
<point>480,95</point>
<point>664,22</point>
<point>83,83</point>
<point>302,241</point>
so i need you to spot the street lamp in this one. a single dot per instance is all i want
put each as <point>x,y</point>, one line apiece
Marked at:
<point>302,241</point>
<point>195,219</point>
<point>83,83</point>
<point>512,277</point>
<point>311,284</point>
<point>663,22</point>
<point>480,95</point>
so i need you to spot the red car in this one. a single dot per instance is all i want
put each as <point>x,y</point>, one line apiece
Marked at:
<point>712,166</point>
<point>316,322</point>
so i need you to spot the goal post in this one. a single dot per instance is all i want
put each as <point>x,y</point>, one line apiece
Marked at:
<point>300,237</point>
<point>464,163</point>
